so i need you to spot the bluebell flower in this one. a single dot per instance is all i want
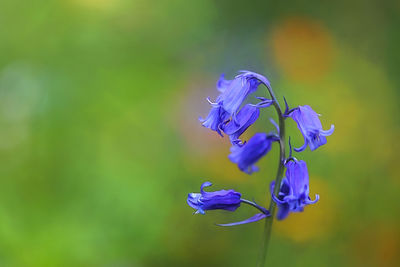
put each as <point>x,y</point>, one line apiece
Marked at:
<point>222,199</point>
<point>246,155</point>
<point>228,104</point>
<point>294,192</point>
<point>310,126</point>
<point>243,120</point>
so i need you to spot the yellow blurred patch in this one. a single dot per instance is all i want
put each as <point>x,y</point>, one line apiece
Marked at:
<point>303,49</point>
<point>347,117</point>
<point>316,221</point>
<point>223,169</point>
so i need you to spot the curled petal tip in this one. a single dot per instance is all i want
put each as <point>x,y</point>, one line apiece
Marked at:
<point>205,184</point>
<point>274,198</point>
<point>301,148</point>
<point>211,103</point>
<point>315,200</point>
<point>328,132</point>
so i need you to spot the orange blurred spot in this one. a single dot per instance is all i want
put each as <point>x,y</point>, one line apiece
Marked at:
<point>377,245</point>
<point>303,49</point>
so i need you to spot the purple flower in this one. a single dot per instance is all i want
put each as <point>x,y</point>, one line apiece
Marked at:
<point>228,103</point>
<point>222,199</point>
<point>294,192</point>
<point>243,120</point>
<point>215,119</point>
<point>310,126</point>
<point>245,156</point>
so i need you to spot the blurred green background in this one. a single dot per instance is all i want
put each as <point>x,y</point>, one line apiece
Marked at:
<point>100,140</point>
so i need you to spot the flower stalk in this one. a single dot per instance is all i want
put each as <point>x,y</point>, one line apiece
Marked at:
<point>278,179</point>
<point>255,205</point>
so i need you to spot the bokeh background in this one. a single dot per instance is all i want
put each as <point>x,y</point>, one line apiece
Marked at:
<point>100,140</point>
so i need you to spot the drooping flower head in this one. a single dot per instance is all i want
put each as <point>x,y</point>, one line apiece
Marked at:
<point>244,119</point>
<point>245,156</point>
<point>294,192</point>
<point>228,104</point>
<point>222,199</point>
<point>310,126</point>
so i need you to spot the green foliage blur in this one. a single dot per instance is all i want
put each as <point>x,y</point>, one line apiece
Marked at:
<point>100,140</point>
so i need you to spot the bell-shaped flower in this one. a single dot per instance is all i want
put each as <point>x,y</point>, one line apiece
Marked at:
<point>246,155</point>
<point>294,191</point>
<point>228,104</point>
<point>243,120</point>
<point>310,126</point>
<point>222,199</point>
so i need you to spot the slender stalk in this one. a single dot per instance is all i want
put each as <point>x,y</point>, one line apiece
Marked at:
<point>251,203</point>
<point>278,179</point>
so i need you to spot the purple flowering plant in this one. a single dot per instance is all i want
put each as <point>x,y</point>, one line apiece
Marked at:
<point>231,115</point>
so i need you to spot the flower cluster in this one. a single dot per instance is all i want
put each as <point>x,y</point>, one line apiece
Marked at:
<point>232,113</point>
<point>228,114</point>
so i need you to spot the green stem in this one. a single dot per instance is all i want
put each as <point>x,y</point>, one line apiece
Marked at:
<point>278,179</point>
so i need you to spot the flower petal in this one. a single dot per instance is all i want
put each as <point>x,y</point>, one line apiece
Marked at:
<point>328,132</point>
<point>309,201</point>
<point>239,124</point>
<point>247,155</point>
<point>257,217</point>
<point>310,127</point>
<point>265,102</point>
<point>259,77</point>
<point>283,212</point>
<point>302,147</point>
<point>222,84</point>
